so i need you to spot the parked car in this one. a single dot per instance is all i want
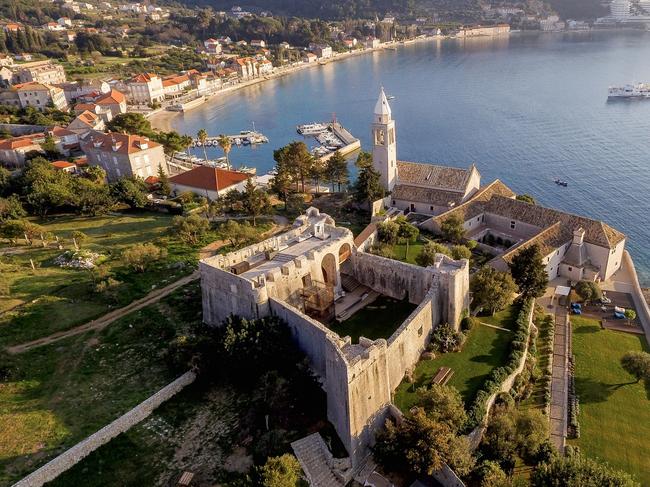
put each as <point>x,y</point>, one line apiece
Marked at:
<point>618,315</point>
<point>576,311</point>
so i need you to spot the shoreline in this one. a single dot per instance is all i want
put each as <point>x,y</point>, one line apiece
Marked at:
<point>161,119</point>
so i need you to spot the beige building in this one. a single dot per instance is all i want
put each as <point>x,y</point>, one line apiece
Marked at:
<point>484,30</point>
<point>112,104</point>
<point>47,72</point>
<point>124,155</point>
<point>40,96</point>
<point>14,150</point>
<point>144,89</point>
<point>85,122</point>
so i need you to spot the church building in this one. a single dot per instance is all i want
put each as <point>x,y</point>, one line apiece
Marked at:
<point>573,246</point>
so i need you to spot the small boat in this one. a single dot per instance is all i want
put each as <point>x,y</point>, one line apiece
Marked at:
<point>390,97</point>
<point>247,169</point>
<point>559,182</point>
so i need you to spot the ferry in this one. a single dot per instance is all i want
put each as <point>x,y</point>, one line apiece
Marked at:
<point>639,90</point>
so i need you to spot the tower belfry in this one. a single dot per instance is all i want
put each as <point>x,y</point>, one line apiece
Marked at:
<point>384,145</point>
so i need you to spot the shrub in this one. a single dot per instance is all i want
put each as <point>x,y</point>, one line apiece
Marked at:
<point>428,254</point>
<point>388,232</point>
<point>588,290</point>
<point>446,339</point>
<point>141,256</point>
<point>460,252</point>
<point>468,323</point>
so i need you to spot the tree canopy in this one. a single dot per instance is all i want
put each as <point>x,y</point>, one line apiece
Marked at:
<point>492,290</point>
<point>529,272</point>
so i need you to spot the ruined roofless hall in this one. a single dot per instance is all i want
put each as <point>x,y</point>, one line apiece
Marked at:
<point>291,274</point>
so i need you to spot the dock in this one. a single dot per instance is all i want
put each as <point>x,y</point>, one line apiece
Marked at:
<point>245,137</point>
<point>331,137</point>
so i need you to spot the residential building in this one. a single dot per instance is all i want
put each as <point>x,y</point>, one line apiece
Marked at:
<point>112,103</point>
<point>77,89</point>
<point>371,42</point>
<point>40,96</point>
<point>53,26</point>
<point>175,85</point>
<point>258,43</point>
<point>246,67</point>
<point>65,166</point>
<point>481,31</point>
<point>10,97</point>
<point>309,57</point>
<point>64,21</point>
<point>85,122</point>
<point>6,60</point>
<point>144,89</point>
<point>212,46</point>
<point>66,140</point>
<point>208,181</point>
<point>40,72</point>
<point>322,51</point>
<point>124,155</point>
<point>264,67</point>
<point>14,150</point>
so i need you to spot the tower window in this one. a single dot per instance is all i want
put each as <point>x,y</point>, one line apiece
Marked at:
<point>380,137</point>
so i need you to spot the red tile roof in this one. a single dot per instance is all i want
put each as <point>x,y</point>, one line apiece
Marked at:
<point>82,107</point>
<point>16,143</point>
<point>210,178</point>
<point>63,164</point>
<point>114,97</point>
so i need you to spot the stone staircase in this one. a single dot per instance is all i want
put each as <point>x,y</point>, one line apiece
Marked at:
<point>316,461</point>
<point>349,283</point>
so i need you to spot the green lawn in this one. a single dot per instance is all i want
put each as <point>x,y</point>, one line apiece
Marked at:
<point>377,320</point>
<point>50,298</point>
<point>485,349</point>
<point>614,411</point>
<point>58,394</point>
<point>415,248</point>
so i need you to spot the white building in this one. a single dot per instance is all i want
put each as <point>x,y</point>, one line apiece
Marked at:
<point>620,9</point>
<point>144,89</point>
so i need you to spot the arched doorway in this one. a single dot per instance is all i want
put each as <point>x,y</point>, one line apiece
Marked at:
<point>344,253</point>
<point>328,267</point>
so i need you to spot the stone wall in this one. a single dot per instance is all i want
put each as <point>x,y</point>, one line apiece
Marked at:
<point>640,304</point>
<point>392,278</point>
<point>408,342</point>
<point>16,129</point>
<point>74,455</point>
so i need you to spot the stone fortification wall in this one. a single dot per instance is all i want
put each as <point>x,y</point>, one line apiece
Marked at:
<point>640,304</point>
<point>224,293</point>
<point>69,458</point>
<point>17,129</point>
<point>391,277</point>
<point>409,341</point>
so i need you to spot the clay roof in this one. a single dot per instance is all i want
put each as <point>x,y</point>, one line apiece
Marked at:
<point>548,240</point>
<point>124,143</point>
<point>16,143</point>
<point>82,107</point>
<point>60,131</point>
<point>62,164</point>
<point>365,233</point>
<point>204,177</point>
<point>33,86</point>
<point>113,97</point>
<point>474,206</point>
<point>432,196</point>
<point>433,176</point>
<point>87,117</point>
<point>143,78</point>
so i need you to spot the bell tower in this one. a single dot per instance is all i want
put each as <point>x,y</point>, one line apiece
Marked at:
<point>384,146</point>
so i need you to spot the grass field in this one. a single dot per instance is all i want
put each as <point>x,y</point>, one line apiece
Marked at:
<point>50,298</point>
<point>377,320</point>
<point>415,248</point>
<point>484,349</point>
<point>57,394</point>
<point>614,410</point>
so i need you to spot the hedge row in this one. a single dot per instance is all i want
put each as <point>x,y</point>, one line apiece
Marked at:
<point>497,377</point>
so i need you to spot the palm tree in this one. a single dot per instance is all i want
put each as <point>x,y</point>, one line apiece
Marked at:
<point>225,144</point>
<point>202,135</point>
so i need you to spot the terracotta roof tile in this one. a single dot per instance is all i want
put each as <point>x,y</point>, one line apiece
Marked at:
<point>204,177</point>
<point>433,176</point>
<point>113,97</point>
<point>124,144</point>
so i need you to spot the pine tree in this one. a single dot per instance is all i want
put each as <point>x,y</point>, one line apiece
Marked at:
<point>163,179</point>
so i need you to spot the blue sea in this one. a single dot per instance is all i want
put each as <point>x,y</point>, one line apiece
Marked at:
<point>526,109</point>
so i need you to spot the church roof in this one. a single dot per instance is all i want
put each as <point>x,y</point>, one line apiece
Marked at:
<point>432,176</point>
<point>430,196</point>
<point>382,107</point>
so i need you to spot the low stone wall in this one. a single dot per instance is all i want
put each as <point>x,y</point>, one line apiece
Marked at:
<point>641,305</point>
<point>477,434</point>
<point>74,455</point>
<point>408,342</point>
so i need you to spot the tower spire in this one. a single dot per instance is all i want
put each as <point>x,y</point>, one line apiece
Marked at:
<point>382,108</point>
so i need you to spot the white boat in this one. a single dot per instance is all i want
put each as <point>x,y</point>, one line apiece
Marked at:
<point>638,90</point>
<point>247,169</point>
<point>312,128</point>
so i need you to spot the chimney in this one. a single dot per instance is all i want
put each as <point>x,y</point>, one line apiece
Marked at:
<point>578,236</point>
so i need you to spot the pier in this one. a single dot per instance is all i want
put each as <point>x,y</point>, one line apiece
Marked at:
<point>331,137</point>
<point>245,137</point>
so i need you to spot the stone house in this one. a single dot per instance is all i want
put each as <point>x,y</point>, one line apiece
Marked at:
<point>144,89</point>
<point>40,96</point>
<point>112,103</point>
<point>85,122</point>
<point>123,155</point>
<point>47,72</point>
<point>14,150</point>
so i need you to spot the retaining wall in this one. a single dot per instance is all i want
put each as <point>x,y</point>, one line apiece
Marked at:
<point>17,129</point>
<point>641,305</point>
<point>74,455</point>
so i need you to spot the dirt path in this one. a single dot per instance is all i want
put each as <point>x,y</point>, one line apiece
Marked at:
<point>108,318</point>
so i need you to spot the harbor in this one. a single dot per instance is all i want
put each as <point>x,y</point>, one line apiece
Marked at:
<point>330,137</point>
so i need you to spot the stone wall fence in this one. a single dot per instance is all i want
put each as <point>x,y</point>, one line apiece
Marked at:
<point>18,129</point>
<point>74,455</point>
